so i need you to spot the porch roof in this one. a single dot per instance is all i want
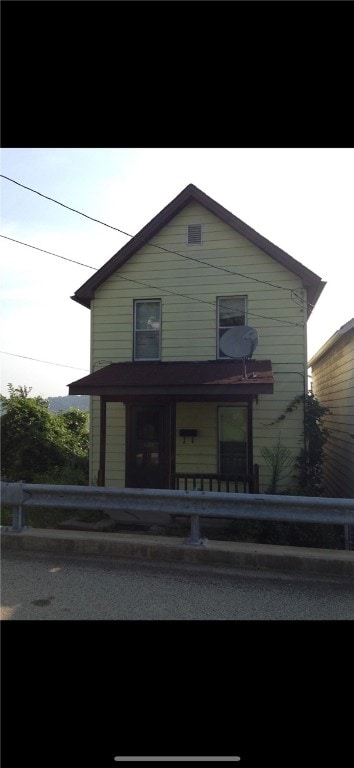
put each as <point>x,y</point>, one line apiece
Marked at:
<point>178,380</point>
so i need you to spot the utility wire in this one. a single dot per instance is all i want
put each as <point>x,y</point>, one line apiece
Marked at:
<point>35,359</point>
<point>148,285</point>
<point>154,245</point>
<point>50,252</point>
<point>63,205</point>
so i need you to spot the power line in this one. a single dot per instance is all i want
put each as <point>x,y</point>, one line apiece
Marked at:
<point>50,252</point>
<point>35,191</point>
<point>35,359</point>
<point>154,245</point>
<point>149,285</point>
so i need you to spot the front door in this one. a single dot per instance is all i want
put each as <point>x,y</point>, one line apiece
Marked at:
<point>148,446</point>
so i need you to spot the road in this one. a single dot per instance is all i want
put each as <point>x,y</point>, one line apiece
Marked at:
<point>55,586</point>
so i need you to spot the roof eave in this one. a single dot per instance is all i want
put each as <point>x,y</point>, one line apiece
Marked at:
<point>314,291</point>
<point>85,302</point>
<point>312,281</point>
<point>342,331</point>
<point>86,292</point>
<point>178,393</point>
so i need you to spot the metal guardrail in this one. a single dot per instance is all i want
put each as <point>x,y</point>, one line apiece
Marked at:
<point>192,504</point>
<point>349,536</point>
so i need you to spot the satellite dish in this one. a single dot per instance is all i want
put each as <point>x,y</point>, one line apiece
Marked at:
<point>240,341</point>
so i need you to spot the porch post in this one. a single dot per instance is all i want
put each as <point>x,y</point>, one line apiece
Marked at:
<point>172,444</point>
<point>103,418</point>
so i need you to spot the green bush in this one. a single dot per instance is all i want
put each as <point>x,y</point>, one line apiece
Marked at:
<point>39,446</point>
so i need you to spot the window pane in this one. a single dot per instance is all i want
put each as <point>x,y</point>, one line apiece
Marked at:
<point>147,345</point>
<point>148,315</point>
<point>233,441</point>
<point>231,311</point>
<point>147,330</point>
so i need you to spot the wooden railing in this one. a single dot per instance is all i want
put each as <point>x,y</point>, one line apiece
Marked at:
<point>188,481</point>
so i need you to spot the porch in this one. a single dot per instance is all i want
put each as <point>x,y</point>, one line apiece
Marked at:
<point>182,426</point>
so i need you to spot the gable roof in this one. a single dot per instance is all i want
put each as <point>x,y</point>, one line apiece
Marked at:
<point>311,281</point>
<point>343,330</point>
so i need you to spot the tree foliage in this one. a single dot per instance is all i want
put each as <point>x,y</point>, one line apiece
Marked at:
<point>280,461</point>
<point>309,462</point>
<point>38,446</point>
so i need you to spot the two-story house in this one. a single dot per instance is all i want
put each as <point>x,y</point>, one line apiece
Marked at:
<point>171,400</point>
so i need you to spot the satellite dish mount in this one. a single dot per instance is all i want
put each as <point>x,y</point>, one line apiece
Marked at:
<point>239,343</point>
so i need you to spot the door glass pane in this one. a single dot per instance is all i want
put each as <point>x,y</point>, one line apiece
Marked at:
<point>147,440</point>
<point>233,440</point>
<point>148,449</point>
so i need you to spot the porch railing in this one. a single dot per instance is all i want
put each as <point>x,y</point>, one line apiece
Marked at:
<point>200,481</point>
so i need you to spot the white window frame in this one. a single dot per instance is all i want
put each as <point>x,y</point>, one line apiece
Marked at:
<point>224,300</point>
<point>136,330</point>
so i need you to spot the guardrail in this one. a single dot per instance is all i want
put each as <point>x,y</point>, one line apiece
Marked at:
<point>349,536</point>
<point>140,502</point>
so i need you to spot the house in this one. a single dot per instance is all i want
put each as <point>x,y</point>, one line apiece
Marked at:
<point>333,384</point>
<point>173,402</point>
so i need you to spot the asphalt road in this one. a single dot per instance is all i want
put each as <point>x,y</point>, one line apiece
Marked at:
<point>47,586</point>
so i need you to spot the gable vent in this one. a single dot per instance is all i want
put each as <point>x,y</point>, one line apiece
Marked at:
<point>194,234</point>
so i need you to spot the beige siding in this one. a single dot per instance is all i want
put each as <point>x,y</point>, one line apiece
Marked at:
<point>115,443</point>
<point>189,320</point>
<point>333,384</point>
<point>201,455</point>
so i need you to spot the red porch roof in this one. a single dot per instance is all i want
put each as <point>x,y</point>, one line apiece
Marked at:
<point>178,380</point>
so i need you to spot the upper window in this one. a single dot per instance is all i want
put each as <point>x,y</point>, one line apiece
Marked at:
<point>147,330</point>
<point>194,236</point>
<point>231,312</point>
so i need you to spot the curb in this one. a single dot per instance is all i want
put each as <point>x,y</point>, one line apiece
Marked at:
<point>173,549</point>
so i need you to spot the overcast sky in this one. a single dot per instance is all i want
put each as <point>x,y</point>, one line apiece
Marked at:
<point>300,199</point>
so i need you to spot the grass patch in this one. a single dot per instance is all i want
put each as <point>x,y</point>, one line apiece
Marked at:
<point>266,532</point>
<point>36,517</point>
<point>282,533</point>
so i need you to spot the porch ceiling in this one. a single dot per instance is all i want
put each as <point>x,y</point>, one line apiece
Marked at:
<point>178,380</point>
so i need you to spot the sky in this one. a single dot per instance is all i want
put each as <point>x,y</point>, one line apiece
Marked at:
<point>302,199</point>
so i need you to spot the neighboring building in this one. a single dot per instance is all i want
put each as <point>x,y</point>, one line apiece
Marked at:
<point>333,384</point>
<point>166,400</point>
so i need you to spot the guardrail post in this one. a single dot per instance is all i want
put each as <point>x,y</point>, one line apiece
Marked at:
<point>194,539</point>
<point>349,536</point>
<point>13,495</point>
<point>18,519</point>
